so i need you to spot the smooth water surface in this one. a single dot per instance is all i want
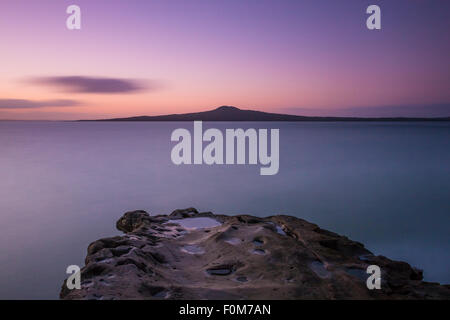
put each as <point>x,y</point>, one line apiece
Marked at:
<point>65,184</point>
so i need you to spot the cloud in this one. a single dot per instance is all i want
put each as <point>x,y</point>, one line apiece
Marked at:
<point>80,84</point>
<point>32,104</point>
<point>43,114</point>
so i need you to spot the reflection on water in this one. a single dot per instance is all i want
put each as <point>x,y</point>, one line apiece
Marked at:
<point>196,223</point>
<point>65,184</point>
<point>193,249</point>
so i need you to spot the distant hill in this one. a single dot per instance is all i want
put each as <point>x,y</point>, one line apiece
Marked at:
<point>227,113</point>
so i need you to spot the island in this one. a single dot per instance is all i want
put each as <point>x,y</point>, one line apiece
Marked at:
<point>230,113</point>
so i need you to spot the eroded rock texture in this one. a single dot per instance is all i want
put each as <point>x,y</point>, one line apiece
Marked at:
<point>192,255</point>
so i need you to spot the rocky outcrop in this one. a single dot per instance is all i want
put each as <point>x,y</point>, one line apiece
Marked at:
<point>192,255</point>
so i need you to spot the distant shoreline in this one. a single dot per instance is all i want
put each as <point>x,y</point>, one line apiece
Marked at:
<point>227,113</point>
<point>307,120</point>
<point>233,114</point>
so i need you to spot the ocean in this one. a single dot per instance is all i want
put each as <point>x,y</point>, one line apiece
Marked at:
<point>63,185</point>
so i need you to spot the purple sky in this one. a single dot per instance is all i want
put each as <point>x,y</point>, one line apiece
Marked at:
<point>156,57</point>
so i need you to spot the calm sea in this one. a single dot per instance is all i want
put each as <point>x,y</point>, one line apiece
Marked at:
<point>64,185</point>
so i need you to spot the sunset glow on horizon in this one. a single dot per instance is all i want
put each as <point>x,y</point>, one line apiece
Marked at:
<point>160,57</point>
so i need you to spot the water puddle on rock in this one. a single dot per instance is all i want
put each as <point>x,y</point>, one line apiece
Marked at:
<point>196,223</point>
<point>278,228</point>
<point>193,249</point>
<point>319,269</point>
<point>233,241</point>
<point>242,279</point>
<point>258,242</point>
<point>260,252</point>
<point>220,271</point>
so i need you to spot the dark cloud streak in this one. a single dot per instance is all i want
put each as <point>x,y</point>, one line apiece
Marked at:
<point>33,104</point>
<point>81,84</point>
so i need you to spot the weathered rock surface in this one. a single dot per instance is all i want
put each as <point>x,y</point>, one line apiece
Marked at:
<point>192,255</point>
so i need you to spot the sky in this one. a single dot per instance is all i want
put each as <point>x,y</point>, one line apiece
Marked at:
<point>149,57</point>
